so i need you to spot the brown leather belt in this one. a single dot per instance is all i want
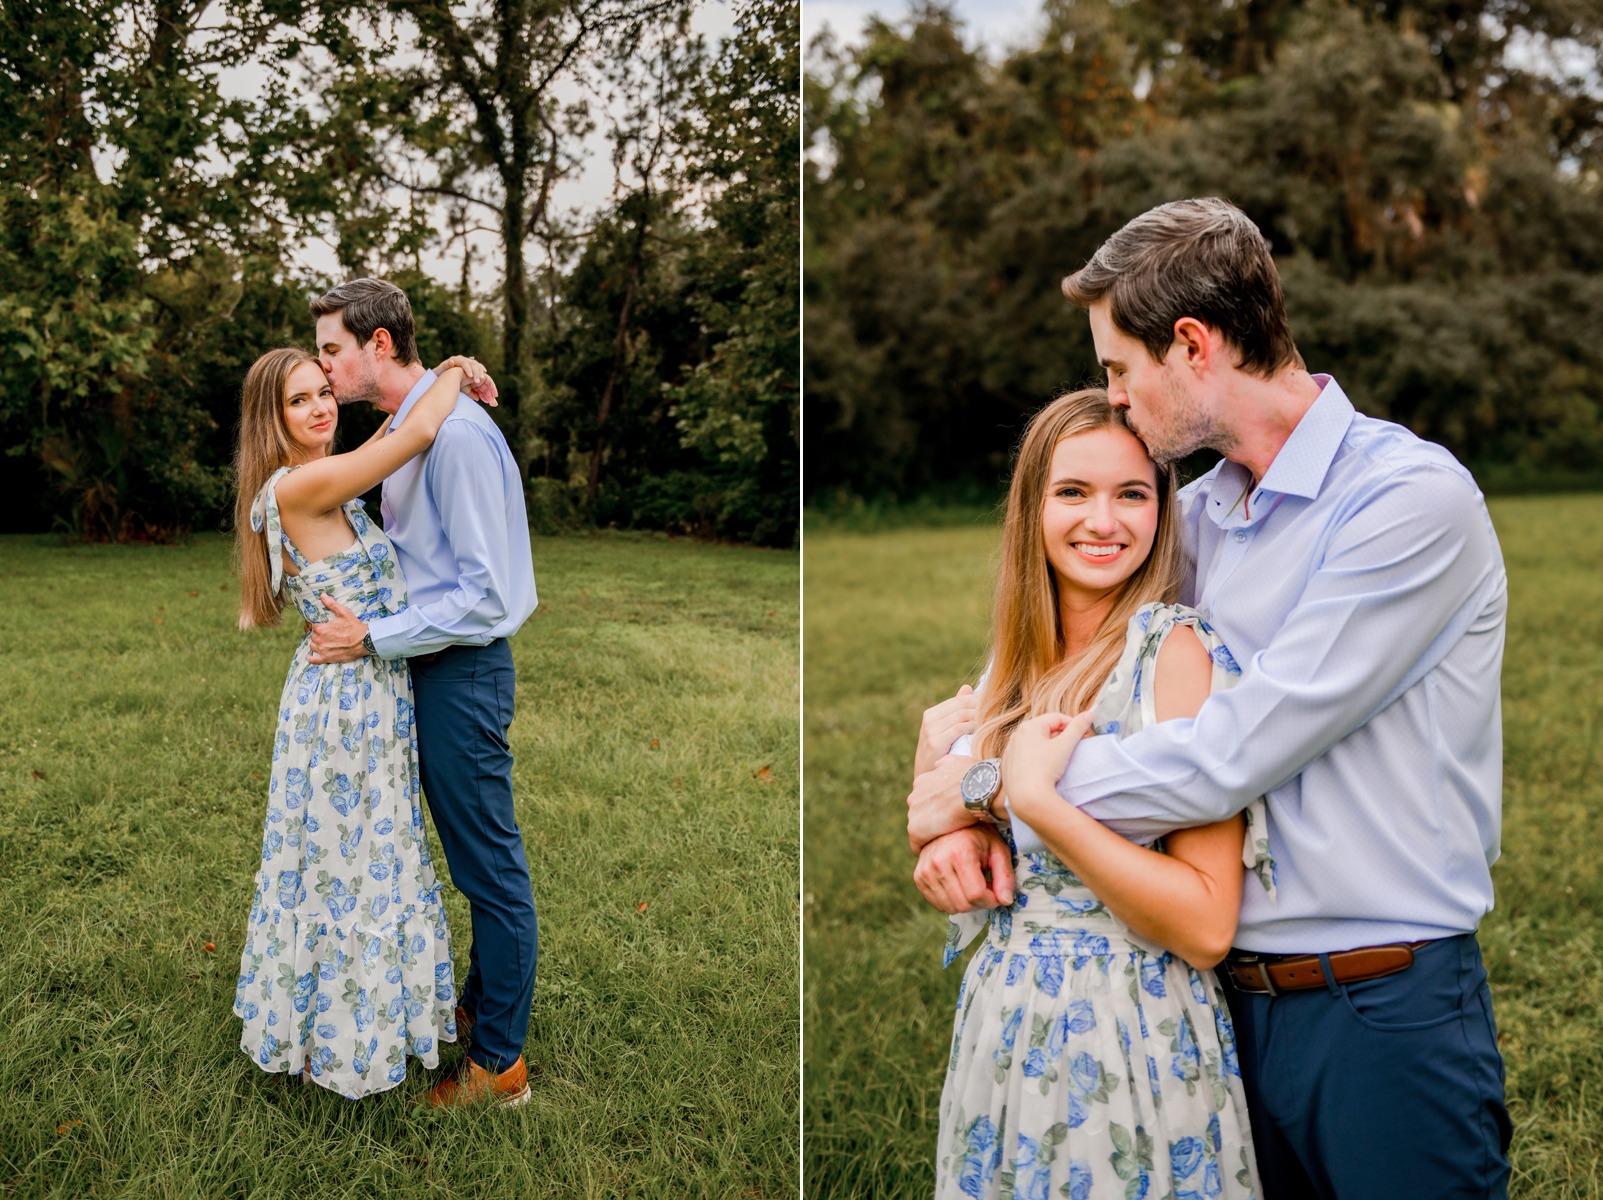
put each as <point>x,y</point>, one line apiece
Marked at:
<point>1271,974</point>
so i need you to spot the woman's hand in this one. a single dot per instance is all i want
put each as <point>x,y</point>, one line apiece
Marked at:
<point>935,806</point>
<point>476,381</point>
<point>942,725</point>
<point>971,868</point>
<point>1037,754</point>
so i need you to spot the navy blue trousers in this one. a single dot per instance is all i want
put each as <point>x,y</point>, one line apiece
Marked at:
<point>1389,1089</point>
<point>464,699</point>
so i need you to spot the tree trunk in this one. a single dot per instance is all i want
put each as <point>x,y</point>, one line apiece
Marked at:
<point>515,304</point>
<point>615,376</point>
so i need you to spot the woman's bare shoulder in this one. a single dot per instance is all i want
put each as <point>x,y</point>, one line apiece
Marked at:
<point>1183,674</point>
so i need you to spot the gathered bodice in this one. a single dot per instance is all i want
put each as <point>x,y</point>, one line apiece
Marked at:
<point>1056,914</point>
<point>363,577</point>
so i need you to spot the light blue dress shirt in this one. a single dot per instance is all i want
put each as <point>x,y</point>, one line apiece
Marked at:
<point>461,534</point>
<point>1361,588</point>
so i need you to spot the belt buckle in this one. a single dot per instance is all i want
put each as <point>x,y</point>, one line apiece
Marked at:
<point>1249,959</point>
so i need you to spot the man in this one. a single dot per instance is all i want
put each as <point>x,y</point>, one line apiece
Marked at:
<point>456,516</point>
<point>1353,571</point>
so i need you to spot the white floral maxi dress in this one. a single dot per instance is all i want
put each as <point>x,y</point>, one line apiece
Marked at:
<point>347,962</point>
<point>1087,1062</point>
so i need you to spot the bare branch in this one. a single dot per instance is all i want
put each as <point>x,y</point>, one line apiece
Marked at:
<point>437,190</point>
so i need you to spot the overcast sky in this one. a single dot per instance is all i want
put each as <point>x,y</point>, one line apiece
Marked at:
<point>587,189</point>
<point>998,23</point>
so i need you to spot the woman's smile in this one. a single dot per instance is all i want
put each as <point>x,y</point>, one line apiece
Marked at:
<point>1100,551</point>
<point>1100,512</point>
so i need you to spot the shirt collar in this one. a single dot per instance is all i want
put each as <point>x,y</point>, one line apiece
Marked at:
<point>1300,467</point>
<point>418,388</point>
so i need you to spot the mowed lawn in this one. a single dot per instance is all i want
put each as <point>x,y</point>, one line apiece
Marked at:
<point>896,620</point>
<point>657,785</point>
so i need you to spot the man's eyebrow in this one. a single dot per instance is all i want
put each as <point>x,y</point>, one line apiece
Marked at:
<point>1109,363</point>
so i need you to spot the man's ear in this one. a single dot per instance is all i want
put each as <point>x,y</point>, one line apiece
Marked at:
<point>383,347</point>
<point>1198,343</point>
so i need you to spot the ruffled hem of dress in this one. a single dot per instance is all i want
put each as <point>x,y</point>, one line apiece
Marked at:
<point>430,974</point>
<point>352,1087</point>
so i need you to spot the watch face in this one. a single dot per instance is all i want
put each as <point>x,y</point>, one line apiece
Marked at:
<point>980,782</point>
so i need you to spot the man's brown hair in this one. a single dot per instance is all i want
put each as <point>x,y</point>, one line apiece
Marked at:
<point>1199,258</point>
<point>367,305</point>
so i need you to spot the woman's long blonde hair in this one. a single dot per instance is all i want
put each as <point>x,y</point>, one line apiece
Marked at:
<point>1031,670</point>
<point>264,445</point>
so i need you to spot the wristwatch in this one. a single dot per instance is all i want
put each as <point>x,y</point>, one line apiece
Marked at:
<point>982,784</point>
<point>367,644</point>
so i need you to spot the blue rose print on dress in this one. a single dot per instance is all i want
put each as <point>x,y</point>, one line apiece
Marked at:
<point>1085,1063</point>
<point>1185,1156</point>
<point>1222,656</point>
<point>329,977</point>
<point>1187,1060</point>
<point>1080,1017</point>
<point>983,1157</point>
<point>1080,1180</point>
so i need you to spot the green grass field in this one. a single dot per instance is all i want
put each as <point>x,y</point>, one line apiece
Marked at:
<point>896,620</point>
<point>657,779</point>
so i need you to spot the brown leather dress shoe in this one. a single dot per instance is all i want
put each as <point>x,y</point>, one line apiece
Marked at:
<point>472,1084</point>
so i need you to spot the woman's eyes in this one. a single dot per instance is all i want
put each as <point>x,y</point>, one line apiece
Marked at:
<point>1132,494</point>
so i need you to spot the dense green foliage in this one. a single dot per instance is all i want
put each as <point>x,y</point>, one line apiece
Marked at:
<point>1426,172</point>
<point>149,206</point>
<point>895,621</point>
<point>656,780</point>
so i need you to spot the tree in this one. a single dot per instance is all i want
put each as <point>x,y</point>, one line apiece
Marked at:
<point>489,117</point>
<point>108,113</point>
<point>1426,174</point>
<point>739,406</point>
<point>150,215</point>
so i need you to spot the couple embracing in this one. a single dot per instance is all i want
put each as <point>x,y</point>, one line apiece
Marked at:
<point>402,687</point>
<point>1225,800</point>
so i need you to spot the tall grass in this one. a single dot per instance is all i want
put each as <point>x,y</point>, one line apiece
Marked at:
<point>656,782</point>
<point>896,620</point>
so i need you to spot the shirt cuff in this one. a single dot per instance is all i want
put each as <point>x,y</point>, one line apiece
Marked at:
<point>389,634</point>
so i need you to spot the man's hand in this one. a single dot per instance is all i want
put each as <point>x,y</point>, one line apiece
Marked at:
<point>935,806</point>
<point>969,869</point>
<point>476,381</point>
<point>942,725</point>
<point>338,639</point>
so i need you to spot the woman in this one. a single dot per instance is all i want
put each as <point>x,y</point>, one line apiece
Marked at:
<point>1092,1053</point>
<point>347,963</point>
